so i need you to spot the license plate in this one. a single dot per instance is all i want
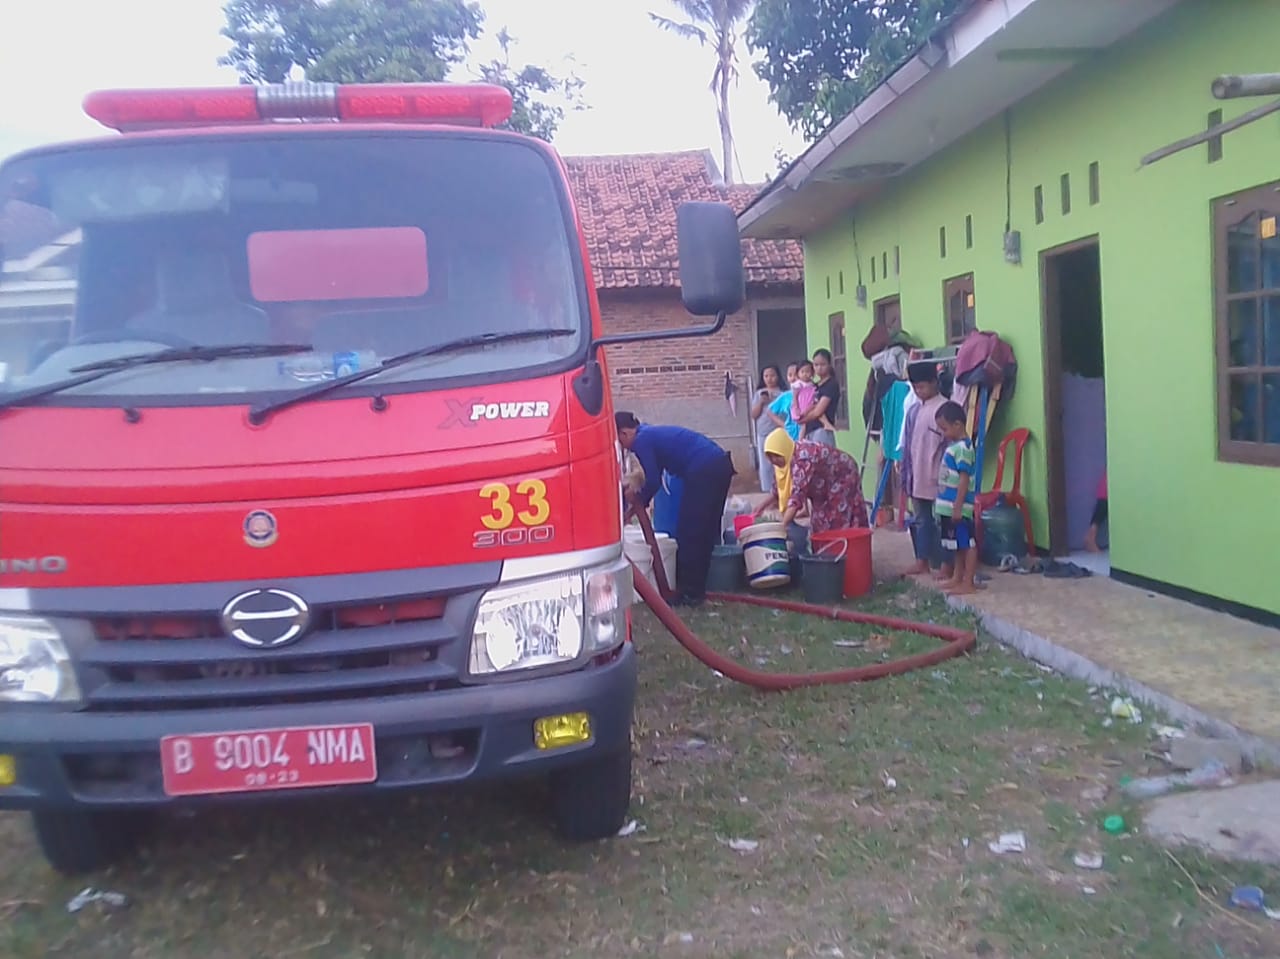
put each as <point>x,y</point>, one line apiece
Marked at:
<point>263,759</point>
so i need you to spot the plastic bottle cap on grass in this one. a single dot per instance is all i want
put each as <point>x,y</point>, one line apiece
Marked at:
<point>1113,824</point>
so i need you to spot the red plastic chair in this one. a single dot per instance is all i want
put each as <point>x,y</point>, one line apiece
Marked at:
<point>1012,496</point>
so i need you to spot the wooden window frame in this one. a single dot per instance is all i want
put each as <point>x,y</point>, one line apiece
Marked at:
<point>1264,201</point>
<point>950,287</point>
<point>839,346</point>
<point>881,307</point>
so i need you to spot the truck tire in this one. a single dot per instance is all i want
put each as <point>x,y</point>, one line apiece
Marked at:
<point>78,842</point>
<point>590,801</point>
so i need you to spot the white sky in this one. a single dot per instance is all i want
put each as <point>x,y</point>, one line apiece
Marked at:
<point>647,89</point>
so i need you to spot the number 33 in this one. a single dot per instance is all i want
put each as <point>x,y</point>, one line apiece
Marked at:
<point>499,496</point>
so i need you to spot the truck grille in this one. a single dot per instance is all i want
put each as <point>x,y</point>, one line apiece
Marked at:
<point>208,626</point>
<point>140,663</point>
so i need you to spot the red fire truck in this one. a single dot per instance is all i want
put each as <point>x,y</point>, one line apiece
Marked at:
<point>308,477</point>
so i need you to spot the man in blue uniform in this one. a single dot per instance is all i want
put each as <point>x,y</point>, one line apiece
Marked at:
<point>706,470</point>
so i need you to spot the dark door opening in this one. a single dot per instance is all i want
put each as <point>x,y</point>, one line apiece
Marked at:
<point>781,337</point>
<point>1075,397</point>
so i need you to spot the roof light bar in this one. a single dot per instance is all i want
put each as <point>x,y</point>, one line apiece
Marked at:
<point>482,103</point>
<point>465,104</point>
<point>135,109</point>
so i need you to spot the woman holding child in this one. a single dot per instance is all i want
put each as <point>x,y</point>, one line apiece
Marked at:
<point>818,418</point>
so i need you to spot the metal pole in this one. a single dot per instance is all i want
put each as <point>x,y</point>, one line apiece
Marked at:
<point>1232,86</point>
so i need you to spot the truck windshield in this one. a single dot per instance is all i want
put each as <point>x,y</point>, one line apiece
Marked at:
<point>353,246</point>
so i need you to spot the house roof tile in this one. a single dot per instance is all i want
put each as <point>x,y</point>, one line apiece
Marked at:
<point>628,203</point>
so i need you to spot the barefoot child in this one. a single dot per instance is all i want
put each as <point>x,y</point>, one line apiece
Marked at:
<point>955,500</point>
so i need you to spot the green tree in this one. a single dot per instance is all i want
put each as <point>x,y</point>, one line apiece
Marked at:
<point>349,41</point>
<point>714,22</point>
<point>539,97</point>
<point>820,58</point>
<point>374,41</point>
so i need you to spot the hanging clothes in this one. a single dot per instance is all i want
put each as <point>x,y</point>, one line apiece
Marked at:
<point>910,403</point>
<point>893,411</point>
<point>892,361</point>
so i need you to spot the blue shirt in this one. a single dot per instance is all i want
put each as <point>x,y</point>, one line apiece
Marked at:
<point>958,461</point>
<point>675,449</point>
<point>782,406</point>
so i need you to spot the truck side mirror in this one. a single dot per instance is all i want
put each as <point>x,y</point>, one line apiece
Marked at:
<point>711,275</point>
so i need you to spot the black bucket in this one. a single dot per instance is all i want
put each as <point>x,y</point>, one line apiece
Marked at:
<point>823,579</point>
<point>728,570</point>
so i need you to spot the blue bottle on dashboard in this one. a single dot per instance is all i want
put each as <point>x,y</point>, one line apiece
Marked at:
<point>352,361</point>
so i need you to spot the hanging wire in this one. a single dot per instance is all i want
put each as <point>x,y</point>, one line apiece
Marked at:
<point>1008,170</point>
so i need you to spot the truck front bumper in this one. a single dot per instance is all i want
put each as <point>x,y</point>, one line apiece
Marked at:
<point>112,760</point>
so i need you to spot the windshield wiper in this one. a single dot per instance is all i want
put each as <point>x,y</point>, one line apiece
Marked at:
<point>260,412</point>
<point>204,353</point>
<point>173,354</point>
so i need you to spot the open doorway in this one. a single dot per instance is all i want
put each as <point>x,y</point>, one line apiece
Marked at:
<point>781,337</point>
<point>1075,401</point>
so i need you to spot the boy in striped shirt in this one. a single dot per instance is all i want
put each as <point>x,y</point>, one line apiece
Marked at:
<point>955,501</point>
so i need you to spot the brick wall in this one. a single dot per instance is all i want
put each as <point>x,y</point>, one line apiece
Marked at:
<point>682,381</point>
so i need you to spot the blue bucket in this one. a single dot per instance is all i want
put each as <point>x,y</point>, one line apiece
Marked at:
<point>666,504</point>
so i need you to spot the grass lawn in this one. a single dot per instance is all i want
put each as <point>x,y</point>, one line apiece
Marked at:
<point>872,807</point>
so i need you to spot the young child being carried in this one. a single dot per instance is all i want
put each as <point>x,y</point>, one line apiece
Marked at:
<point>804,394</point>
<point>955,502</point>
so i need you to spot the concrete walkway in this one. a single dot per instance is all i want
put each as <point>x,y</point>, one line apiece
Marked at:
<point>1207,669</point>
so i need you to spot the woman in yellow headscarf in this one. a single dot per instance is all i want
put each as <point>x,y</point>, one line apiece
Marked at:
<point>820,478</point>
<point>779,446</point>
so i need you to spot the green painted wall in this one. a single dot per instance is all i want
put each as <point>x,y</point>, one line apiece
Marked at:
<point>1178,515</point>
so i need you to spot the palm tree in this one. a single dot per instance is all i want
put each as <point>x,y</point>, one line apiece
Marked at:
<point>715,22</point>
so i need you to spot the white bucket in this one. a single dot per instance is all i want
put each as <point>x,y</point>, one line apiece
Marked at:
<point>764,547</point>
<point>637,550</point>
<point>667,547</point>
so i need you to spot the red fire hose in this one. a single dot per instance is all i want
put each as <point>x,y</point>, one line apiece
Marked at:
<point>955,641</point>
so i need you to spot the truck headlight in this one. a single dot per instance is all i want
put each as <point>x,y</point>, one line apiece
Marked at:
<point>545,622</point>
<point>609,598</point>
<point>34,665</point>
